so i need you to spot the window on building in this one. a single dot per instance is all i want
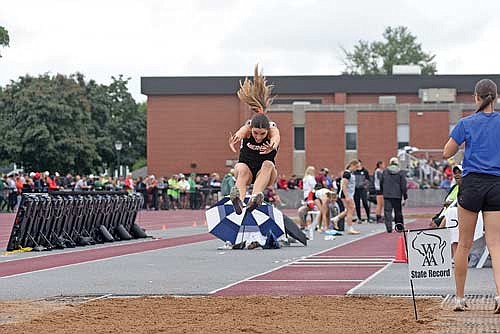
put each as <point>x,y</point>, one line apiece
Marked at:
<point>297,101</point>
<point>387,99</point>
<point>351,137</point>
<point>403,135</point>
<point>298,138</point>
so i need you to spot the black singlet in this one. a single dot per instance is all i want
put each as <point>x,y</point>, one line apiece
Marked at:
<point>249,154</point>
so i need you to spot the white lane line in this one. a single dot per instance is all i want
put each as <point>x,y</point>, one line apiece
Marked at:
<point>307,280</point>
<point>333,265</point>
<point>98,260</point>
<point>348,259</point>
<point>93,247</point>
<point>368,279</point>
<point>97,298</point>
<point>353,257</point>
<point>287,264</point>
<point>343,262</point>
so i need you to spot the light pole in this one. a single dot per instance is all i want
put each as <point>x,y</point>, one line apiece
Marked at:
<point>118,147</point>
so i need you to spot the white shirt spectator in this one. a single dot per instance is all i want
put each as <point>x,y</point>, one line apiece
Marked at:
<point>184,185</point>
<point>322,193</point>
<point>81,185</point>
<point>308,183</point>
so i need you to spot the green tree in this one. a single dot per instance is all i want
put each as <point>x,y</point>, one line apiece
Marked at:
<point>67,124</point>
<point>128,121</point>
<point>46,124</point>
<point>4,37</point>
<point>399,47</point>
<point>117,117</point>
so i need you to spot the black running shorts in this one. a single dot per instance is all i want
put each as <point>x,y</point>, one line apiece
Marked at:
<point>480,192</point>
<point>254,167</point>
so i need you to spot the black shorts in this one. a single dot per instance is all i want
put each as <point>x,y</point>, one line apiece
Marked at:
<point>378,192</point>
<point>254,171</point>
<point>480,192</point>
<point>254,168</point>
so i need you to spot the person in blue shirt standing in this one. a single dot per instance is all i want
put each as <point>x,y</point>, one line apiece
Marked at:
<point>480,188</point>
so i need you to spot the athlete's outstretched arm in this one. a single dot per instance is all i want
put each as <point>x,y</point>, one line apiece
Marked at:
<point>274,139</point>
<point>450,149</point>
<point>233,140</point>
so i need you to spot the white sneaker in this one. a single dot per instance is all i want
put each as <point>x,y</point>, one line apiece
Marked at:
<point>255,201</point>
<point>497,305</point>
<point>353,231</point>
<point>460,305</point>
<point>234,196</point>
<point>227,245</point>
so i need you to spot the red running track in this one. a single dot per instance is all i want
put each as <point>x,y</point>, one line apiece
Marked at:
<point>333,272</point>
<point>16,267</point>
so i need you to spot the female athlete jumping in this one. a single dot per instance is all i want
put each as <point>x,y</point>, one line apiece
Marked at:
<point>259,139</point>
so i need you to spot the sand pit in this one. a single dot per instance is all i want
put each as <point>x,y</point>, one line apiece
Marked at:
<point>310,314</point>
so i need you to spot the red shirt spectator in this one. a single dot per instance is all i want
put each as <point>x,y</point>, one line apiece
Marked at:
<point>321,178</point>
<point>282,182</point>
<point>19,185</point>
<point>448,173</point>
<point>129,183</point>
<point>51,185</point>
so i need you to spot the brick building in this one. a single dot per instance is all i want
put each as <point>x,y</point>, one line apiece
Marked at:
<point>324,120</point>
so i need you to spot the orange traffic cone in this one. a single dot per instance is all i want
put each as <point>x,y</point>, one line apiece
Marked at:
<point>164,227</point>
<point>205,223</point>
<point>194,224</point>
<point>401,251</point>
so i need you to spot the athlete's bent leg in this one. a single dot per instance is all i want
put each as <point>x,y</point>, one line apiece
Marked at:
<point>243,178</point>
<point>266,176</point>
<point>238,192</point>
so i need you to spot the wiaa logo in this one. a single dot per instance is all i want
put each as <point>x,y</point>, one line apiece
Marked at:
<point>431,247</point>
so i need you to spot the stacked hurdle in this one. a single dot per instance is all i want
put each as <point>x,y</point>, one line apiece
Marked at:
<point>63,219</point>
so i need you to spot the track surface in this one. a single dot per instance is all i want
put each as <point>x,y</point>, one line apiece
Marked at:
<point>333,272</point>
<point>323,268</point>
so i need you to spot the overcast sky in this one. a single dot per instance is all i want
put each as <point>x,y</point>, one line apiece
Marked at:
<point>104,38</point>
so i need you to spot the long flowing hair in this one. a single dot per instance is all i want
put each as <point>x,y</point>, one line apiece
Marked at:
<point>257,93</point>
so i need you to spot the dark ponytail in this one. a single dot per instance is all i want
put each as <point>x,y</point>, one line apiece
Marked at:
<point>486,101</point>
<point>260,121</point>
<point>487,91</point>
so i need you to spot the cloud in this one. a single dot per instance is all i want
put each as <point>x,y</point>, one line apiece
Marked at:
<point>197,37</point>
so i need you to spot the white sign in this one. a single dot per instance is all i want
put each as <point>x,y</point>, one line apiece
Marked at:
<point>429,254</point>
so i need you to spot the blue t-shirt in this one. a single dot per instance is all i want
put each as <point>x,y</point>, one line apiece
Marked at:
<point>481,134</point>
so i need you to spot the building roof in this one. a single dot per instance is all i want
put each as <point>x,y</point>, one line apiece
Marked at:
<point>314,84</point>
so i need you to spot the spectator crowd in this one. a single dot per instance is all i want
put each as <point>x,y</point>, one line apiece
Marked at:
<point>176,192</point>
<point>195,191</point>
